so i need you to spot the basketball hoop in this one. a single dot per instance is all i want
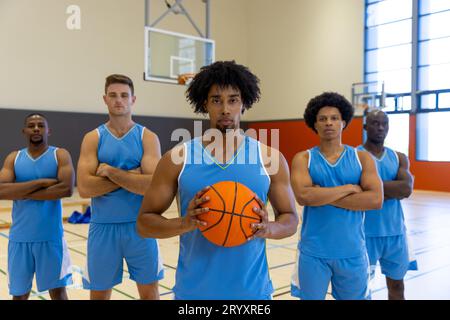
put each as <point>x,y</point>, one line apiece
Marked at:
<point>367,96</point>
<point>361,108</point>
<point>185,78</point>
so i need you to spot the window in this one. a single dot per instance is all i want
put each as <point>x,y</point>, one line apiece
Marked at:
<point>434,130</point>
<point>388,44</point>
<point>433,80</point>
<point>415,68</point>
<point>398,136</point>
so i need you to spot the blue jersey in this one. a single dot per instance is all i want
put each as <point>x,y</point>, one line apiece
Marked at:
<point>328,231</point>
<point>208,271</point>
<point>389,220</point>
<point>125,153</point>
<point>36,220</point>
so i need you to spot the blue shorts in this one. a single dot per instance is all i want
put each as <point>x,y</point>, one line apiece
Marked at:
<point>50,261</point>
<point>349,278</point>
<point>394,255</point>
<point>108,245</point>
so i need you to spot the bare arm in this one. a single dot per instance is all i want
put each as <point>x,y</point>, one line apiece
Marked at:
<point>89,184</point>
<point>132,181</point>
<point>66,180</point>
<point>371,197</point>
<point>306,193</point>
<point>282,199</point>
<point>10,190</point>
<point>158,198</point>
<point>401,187</point>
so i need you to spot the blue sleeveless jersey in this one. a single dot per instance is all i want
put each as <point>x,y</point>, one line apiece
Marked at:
<point>125,153</point>
<point>208,271</point>
<point>36,220</point>
<point>389,220</point>
<point>328,231</point>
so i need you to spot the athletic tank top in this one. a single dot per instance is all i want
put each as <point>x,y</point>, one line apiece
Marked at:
<point>328,231</point>
<point>125,153</point>
<point>36,220</point>
<point>389,220</point>
<point>208,271</point>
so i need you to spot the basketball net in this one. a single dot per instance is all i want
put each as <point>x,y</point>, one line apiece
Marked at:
<point>185,78</point>
<point>361,108</point>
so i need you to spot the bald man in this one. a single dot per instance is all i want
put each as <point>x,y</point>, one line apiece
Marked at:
<point>385,229</point>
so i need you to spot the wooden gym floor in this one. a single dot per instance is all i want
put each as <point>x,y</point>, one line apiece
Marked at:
<point>428,221</point>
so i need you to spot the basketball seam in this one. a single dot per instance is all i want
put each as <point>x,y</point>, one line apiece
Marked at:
<point>232,210</point>
<point>234,213</point>
<point>241,216</point>
<point>223,211</point>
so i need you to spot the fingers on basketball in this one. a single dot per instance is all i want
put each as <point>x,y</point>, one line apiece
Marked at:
<point>230,214</point>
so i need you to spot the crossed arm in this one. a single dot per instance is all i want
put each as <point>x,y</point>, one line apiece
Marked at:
<point>366,196</point>
<point>402,186</point>
<point>39,189</point>
<point>96,179</point>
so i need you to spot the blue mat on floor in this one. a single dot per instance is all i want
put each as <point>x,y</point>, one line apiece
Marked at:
<point>78,217</point>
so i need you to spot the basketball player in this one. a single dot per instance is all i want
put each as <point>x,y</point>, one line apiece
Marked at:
<point>116,165</point>
<point>36,178</point>
<point>223,90</point>
<point>385,229</point>
<point>335,183</point>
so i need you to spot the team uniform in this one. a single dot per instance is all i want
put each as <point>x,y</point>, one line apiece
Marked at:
<point>36,241</point>
<point>332,246</point>
<point>385,230</point>
<point>208,271</point>
<point>112,231</point>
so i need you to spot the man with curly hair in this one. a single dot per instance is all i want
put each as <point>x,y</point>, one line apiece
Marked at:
<point>222,90</point>
<point>335,183</point>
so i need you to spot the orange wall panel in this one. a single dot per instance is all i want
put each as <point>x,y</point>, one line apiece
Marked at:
<point>295,136</point>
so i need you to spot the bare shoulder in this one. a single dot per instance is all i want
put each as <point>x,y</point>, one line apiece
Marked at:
<point>363,155</point>
<point>90,141</point>
<point>267,150</point>
<point>176,155</point>
<point>10,158</point>
<point>91,136</point>
<point>63,155</point>
<point>269,154</point>
<point>301,156</point>
<point>150,135</point>
<point>61,152</point>
<point>401,156</point>
<point>366,159</point>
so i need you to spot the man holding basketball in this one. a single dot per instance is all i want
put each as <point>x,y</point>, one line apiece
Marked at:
<point>205,270</point>
<point>335,183</point>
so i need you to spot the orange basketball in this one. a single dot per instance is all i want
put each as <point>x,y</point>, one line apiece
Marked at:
<point>230,214</point>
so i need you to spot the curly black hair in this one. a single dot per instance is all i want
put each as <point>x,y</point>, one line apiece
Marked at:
<point>223,74</point>
<point>328,99</point>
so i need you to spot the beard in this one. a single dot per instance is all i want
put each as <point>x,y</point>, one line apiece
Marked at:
<point>36,142</point>
<point>224,129</point>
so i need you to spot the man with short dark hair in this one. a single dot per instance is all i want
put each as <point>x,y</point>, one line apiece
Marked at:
<point>36,178</point>
<point>385,229</point>
<point>116,165</point>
